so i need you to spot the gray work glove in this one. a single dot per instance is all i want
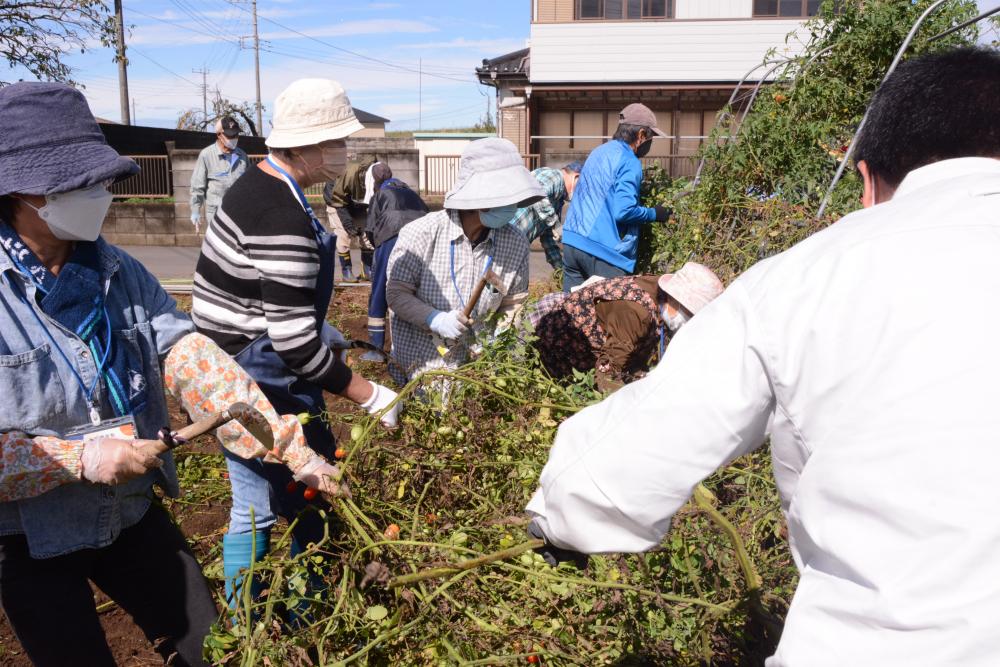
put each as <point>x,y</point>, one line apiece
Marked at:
<point>196,221</point>
<point>554,555</point>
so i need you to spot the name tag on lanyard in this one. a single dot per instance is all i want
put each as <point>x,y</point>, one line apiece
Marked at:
<point>122,428</point>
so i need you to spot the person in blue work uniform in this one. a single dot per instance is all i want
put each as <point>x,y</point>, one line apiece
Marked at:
<point>601,233</point>
<point>392,206</point>
<point>262,287</point>
<point>217,168</point>
<point>83,330</point>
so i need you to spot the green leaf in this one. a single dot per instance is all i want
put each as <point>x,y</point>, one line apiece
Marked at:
<point>377,613</point>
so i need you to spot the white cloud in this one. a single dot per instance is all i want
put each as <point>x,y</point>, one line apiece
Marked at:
<point>182,34</point>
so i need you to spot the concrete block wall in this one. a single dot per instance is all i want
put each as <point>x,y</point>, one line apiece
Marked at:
<point>169,224</point>
<point>141,224</point>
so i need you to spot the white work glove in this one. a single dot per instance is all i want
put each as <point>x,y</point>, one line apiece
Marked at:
<point>115,461</point>
<point>381,397</point>
<point>196,221</point>
<point>449,325</point>
<point>317,473</point>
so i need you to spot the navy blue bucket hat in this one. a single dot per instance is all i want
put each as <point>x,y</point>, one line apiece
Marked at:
<point>50,142</point>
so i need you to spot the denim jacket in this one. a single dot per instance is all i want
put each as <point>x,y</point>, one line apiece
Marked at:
<point>43,397</point>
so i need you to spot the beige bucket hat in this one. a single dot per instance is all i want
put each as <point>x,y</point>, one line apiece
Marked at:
<point>694,286</point>
<point>310,111</point>
<point>491,173</point>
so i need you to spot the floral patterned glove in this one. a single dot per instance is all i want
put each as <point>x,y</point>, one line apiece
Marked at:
<point>205,380</point>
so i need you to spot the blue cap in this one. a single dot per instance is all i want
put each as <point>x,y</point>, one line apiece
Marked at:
<point>576,167</point>
<point>50,142</point>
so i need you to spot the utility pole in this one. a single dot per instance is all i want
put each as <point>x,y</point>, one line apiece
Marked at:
<point>122,68</point>
<point>420,94</point>
<point>204,90</point>
<point>256,63</point>
<point>256,66</point>
<point>134,119</point>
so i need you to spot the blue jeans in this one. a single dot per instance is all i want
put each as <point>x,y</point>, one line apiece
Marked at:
<point>580,265</point>
<point>377,303</point>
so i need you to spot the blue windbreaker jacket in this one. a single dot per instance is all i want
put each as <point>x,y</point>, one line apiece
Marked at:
<point>605,215</point>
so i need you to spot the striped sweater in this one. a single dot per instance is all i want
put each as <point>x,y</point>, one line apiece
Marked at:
<point>257,274</point>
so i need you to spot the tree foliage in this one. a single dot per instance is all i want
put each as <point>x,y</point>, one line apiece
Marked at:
<point>764,177</point>
<point>37,34</point>
<point>244,113</point>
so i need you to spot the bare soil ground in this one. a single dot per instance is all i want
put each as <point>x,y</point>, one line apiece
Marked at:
<point>203,509</point>
<point>202,516</point>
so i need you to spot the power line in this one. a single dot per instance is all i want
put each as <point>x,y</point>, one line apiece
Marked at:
<point>214,35</point>
<point>354,53</point>
<point>450,112</point>
<point>164,68</point>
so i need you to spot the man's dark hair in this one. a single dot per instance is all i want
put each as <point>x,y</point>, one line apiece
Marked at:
<point>629,133</point>
<point>934,107</point>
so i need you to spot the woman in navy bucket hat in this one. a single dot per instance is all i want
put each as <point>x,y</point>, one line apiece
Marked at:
<point>83,328</point>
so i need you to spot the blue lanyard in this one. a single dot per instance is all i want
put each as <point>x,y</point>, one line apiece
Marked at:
<point>95,415</point>
<point>317,227</point>
<point>663,342</point>
<point>454,278</point>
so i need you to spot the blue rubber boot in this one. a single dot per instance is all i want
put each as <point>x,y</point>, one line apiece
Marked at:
<point>236,559</point>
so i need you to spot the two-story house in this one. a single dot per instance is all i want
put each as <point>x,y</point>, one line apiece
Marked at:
<point>588,59</point>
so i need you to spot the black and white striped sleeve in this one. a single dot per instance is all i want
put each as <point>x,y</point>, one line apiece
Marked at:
<point>286,257</point>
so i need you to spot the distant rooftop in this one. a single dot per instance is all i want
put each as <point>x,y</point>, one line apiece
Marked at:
<point>453,135</point>
<point>366,117</point>
<point>515,63</point>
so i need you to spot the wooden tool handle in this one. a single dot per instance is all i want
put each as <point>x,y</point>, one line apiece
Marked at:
<point>474,299</point>
<point>189,432</point>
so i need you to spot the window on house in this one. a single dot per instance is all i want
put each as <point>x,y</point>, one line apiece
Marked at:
<point>617,10</point>
<point>590,9</point>
<point>786,8</point>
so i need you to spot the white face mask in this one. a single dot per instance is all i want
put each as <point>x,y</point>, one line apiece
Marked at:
<point>674,322</point>
<point>77,215</point>
<point>230,143</point>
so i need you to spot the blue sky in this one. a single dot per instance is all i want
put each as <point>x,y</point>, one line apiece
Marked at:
<point>300,38</point>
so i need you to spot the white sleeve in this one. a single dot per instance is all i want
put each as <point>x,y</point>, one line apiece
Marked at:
<point>619,470</point>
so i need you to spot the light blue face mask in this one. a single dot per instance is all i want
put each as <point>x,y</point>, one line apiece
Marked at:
<point>496,218</point>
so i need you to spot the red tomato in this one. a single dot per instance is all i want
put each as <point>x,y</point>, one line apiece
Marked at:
<point>292,486</point>
<point>310,494</point>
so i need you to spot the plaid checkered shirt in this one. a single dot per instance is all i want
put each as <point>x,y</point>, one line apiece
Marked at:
<point>434,255</point>
<point>540,219</point>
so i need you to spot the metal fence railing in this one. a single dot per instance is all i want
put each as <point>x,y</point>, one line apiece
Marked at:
<point>311,191</point>
<point>440,171</point>
<point>152,182</point>
<point>677,166</point>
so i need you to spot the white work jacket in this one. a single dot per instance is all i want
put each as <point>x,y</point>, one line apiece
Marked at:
<point>875,347</point>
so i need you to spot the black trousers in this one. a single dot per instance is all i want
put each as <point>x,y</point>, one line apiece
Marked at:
<point>149,571</point>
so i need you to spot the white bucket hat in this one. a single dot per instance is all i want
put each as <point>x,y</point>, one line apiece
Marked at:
<point>311,111</point>
<point>491,173</point>
<point>694,286</point>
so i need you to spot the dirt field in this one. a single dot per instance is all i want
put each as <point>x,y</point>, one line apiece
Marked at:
<point>202,512</point>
